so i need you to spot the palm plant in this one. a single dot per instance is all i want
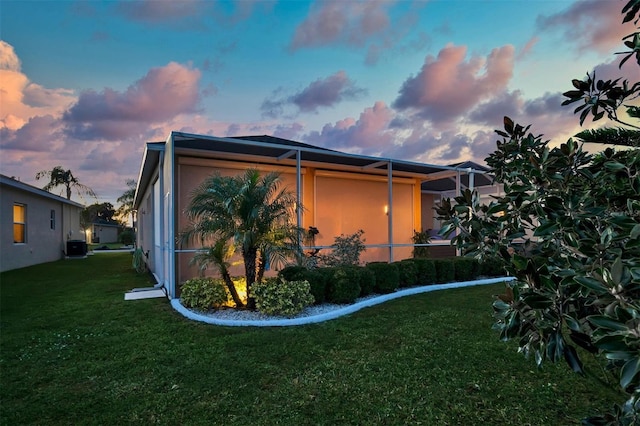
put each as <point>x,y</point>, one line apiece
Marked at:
<point>61,177</point>
<point>251,212</point>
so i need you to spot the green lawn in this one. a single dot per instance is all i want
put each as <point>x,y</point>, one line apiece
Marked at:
<point>72,351</point>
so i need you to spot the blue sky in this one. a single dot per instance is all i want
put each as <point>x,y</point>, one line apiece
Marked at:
<point>85,84</point>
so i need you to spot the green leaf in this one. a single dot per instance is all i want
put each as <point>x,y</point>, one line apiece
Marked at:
<point>537,301</point>
<point>546,229</point>
<point>571,356</point>
<point>614,166</point>
<point>607,323</point>
<point>592,284</point>
<point>635,232</point>
<point>630,369</point>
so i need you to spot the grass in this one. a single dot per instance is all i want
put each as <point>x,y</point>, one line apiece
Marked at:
<point>72,351</point>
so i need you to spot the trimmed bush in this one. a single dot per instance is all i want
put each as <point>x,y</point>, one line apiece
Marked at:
<point>492,267</point>
<point>426,271</point>
<point>344,285</point>
<point>387,276</point>
<point>445,270</point>
<point>203,293</point>
<point>316,279</point>
<point>275,296</point>
<point>367,281</point>
<point>408,273</point>
<point>466,269</point>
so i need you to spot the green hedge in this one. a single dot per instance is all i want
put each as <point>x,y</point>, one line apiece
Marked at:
<point>492,267</point>
<point>408,273</point>
<point>317,280</point>
<point>445,270</point>
<point>426,271</point>
<point>387,276</point>
<point>466,269</point>
<point>367,281</point>
<point>344,285</point>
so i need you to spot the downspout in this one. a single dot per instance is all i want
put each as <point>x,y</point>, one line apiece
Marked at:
<point>172,221</point>
<point>298,193</point>
<point>390,210</point>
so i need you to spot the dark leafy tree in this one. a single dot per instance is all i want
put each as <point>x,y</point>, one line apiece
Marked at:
<point>60,177</point>
<point>611,136</point>
<point>568,230</point>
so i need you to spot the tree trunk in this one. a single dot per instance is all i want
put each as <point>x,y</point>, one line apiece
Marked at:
<point>232,289</point>
<point>68,192</point>
<point>249,255</point>
<point>262,262</point>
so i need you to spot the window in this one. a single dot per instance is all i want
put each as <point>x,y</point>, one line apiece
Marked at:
<point>53,219</point>
<point>19,223</point>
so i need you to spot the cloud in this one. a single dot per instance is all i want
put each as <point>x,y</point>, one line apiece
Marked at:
<point>160,95</point>
<point>527,48</point>
<point>154,11</point>
<point>589,24</point>
<point>351,23</point>
<point>319,93</point>
<point>189,14</point>
<point>447,87</point>
<point>367,135</point>
<point>40,133</point>
<point>20,98</point>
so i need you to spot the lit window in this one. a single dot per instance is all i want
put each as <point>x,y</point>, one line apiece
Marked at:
<point>53,219</point>
<point>19,223</point>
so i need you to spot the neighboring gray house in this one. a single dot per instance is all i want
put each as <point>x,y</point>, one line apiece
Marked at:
<point>36,224</point>
<point>103,232</point>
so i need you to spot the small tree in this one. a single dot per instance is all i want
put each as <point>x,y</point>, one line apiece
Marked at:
<point>251,213</point>
<point>60,177</point>
<point>345,250</point>
<point>126,201</point>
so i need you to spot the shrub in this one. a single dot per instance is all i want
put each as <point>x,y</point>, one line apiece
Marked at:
<point>367,281</point>
<point>275,296</point>
<point>345,250</point>
<point>315,277</point>
<point>445,270</point>
<point>466,268</point>
<point>492,266</point>
<point>387,276</point>
<point>344,285</point>
<point>421,237</point>
<point>203,293</point>
<point>426,271</point>
<point>408,273</point>
<point>127,237</point>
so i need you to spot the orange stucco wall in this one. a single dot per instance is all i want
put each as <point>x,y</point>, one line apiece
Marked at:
<point>334,202</point>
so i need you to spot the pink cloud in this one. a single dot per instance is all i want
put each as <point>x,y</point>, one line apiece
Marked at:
<point>346,22</point>
<point>526,50</point>
<point>325,92</point>
<point>447,87</point>
<point>366,135</point>
<point>40,133</point>
<point>590,24</point>
<point>160,95</point>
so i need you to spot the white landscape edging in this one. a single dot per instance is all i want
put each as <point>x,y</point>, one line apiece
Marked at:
<point>175,303</point>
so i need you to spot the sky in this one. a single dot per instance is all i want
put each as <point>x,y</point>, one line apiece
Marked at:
<point>85,84</point>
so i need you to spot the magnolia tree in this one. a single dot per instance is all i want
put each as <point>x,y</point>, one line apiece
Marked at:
<point>568,230</point>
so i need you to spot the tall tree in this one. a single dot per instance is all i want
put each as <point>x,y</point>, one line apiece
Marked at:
<point>252,213</point>
<point>61,177</point>
<point>568,230</point>
<point>126,201</point>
